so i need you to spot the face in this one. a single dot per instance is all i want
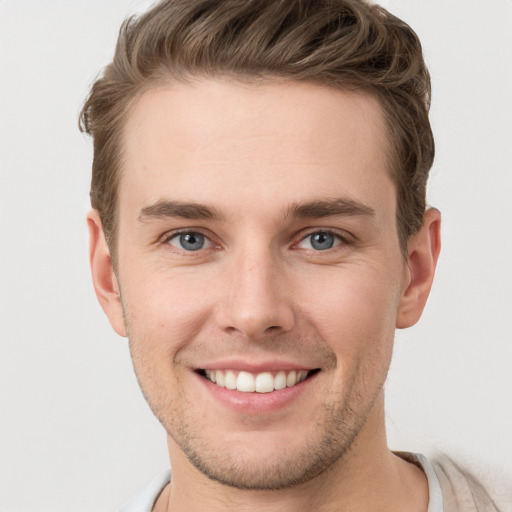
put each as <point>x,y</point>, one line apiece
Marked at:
<point>260,274</point>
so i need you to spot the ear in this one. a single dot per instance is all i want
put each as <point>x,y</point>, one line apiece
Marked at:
<point>103,276</point>
<point>422,254</point>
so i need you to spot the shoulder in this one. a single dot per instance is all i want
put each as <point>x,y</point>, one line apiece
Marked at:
<point>466,490</point>
<point>146,498</point>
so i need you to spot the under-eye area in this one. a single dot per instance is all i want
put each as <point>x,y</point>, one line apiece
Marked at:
<point>263,382</point>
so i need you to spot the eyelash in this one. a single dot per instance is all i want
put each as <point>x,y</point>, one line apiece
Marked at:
<point>165,240</point>
<point>344,240</point>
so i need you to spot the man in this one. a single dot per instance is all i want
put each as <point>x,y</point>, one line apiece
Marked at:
<point>259,230</point>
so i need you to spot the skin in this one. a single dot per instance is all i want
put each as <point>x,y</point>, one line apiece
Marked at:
<point>248,159</point>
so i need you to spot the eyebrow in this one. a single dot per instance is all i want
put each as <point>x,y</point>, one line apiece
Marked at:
<point>178,209</point>
<point>303,210</point>
<point>329,208</point>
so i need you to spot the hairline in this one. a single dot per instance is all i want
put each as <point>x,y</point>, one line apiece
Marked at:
<point>163,78</point>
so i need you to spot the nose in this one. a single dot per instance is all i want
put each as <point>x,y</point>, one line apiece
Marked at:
<point>256,302</point>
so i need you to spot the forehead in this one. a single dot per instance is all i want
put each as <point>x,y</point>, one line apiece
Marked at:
<point>200,140</point>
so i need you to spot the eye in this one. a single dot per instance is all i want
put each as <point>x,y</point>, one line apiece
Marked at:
<point>190,241</point>
<point>320,241</point>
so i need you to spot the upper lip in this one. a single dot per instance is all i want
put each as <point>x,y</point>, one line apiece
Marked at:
<point>273,365</point>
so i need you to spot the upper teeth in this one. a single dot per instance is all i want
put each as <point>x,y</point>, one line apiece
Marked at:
<point>263,382</point>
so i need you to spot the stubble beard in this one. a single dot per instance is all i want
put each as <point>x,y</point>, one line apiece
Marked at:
<point>229,464</point>
<point>339,423</point>
<point>288,469</point>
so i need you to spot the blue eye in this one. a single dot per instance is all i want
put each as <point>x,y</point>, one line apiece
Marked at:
<point>189,241</point>
<point>320,241</point>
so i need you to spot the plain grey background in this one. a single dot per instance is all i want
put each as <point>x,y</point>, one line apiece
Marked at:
<point>75,433</point>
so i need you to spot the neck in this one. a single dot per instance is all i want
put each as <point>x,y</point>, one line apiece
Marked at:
<point>366,478</point>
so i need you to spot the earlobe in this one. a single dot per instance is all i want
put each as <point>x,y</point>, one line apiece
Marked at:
<point>103,276</point>
<point>422,255</point>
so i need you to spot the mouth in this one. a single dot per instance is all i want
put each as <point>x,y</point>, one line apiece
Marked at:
<point>263,382</point>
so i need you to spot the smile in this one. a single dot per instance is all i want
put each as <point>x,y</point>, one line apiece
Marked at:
<point>264,382</point>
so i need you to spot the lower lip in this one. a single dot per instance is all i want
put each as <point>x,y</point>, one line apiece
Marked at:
<point>257,403</point>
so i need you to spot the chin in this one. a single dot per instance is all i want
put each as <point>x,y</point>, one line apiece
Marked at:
<point>283,471</point>
<point>267,460</point>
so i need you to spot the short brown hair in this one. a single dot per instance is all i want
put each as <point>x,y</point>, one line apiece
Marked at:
<point>344,44</point>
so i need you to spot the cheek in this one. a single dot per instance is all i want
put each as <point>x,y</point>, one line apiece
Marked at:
<point>165,310</point>
<point>354,309</point>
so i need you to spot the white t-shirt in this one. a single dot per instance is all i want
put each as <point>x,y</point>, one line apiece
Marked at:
<point>144,501</point>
